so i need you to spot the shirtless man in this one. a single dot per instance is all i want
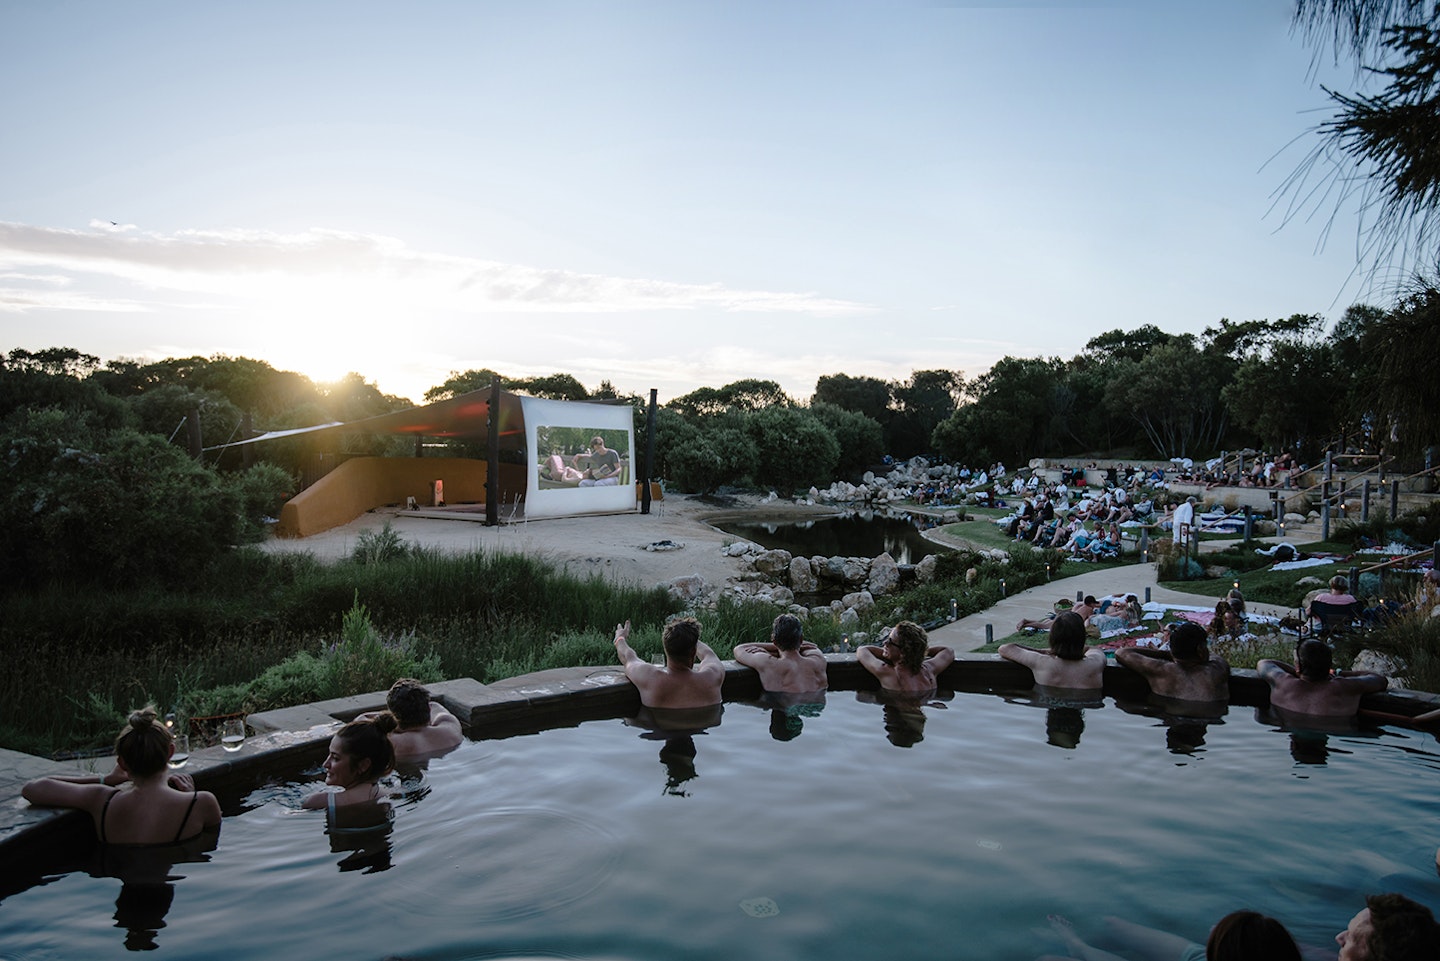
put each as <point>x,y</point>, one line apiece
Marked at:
<point>1069,663</point>
<point>1188,672</point>
<point>1390,927</point>
<point>789,664</point>
<point>904,662</point>
<point>423,726</point>
<point>1311,690</point>
<point>682,682</point>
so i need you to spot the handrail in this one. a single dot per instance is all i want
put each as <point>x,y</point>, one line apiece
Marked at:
<point>1408,558</point>
<point>1314,487</point>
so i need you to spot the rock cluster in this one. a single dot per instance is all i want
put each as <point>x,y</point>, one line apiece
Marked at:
<point>900,483</point>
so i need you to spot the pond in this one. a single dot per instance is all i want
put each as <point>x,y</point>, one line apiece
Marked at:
<point>852,534</point>
<point>852,829</point>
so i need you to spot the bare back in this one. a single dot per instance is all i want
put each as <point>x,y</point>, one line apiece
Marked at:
<point>786,672</point>
<point>1333,697</point>
<point>1087,673</point>
<point>676,686</point>
<point>1208,681</point>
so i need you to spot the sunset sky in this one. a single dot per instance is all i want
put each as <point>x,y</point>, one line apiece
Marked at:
<point>666,195</point>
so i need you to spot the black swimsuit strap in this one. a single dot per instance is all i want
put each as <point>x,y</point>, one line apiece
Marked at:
<point>193,798</point>
<point>103,811</point>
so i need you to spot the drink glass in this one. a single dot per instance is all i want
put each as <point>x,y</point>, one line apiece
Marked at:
<point>232,734</point>
<point>182,751</point>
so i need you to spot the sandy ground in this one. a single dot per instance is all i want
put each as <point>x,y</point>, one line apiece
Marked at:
<point>611,544</point>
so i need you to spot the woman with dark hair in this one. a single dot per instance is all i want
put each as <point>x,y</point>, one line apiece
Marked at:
<point>1239,936</point>
<point>360,755</point>
<point>1069,663</point>
<point>136,803</point>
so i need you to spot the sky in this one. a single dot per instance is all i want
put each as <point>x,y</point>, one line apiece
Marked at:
<point>664,195</point>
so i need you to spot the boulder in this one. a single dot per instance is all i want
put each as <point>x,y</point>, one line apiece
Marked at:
<point>832,569</point>
<point>771,563</point>
<point>802,576</point>
<point>739,548</point>
<point>849,620</point>
<point>688,587</point>
<point>884,574</point>
<point>1377,663</point>
<point>823,613</point>
<point>925,570</point>
<point>800,611</point>
<point>857,570</point>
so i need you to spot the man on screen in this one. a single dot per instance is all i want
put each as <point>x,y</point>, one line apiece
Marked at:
<point>604,469</point>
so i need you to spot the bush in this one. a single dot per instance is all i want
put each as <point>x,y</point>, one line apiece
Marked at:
<point>379,546</point>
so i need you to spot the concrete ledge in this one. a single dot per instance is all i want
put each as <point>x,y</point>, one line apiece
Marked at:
<point>535,702</point>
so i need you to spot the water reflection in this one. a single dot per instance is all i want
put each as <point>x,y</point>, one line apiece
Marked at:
<point>677,728</point>
<point>904,714</point>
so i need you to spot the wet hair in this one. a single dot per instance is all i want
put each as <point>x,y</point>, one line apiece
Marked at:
<point>1187,642</point>
<point>1250,936</point>
<point>1313,659</point>
<point>1067,636</point>
<point>1401,929</point>
<point>144,743</point>
<point>680,637</point>
<point>409,701</point>
<point>786,632</point>
<point>1339,584</point>
<point>913,642</point>
<point>1236,601</point>
<point>369,740</point>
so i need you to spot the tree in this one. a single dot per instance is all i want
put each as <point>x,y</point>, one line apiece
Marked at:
<point>553,386</point>
<point>742,395</point>
<point>794,449</point>
<point>865,395</point>
<point>713,457</point>
<point>1011,414</point>
<point>1381,150</point>
<point>1403,346</point>
<point>1173,394</point>
<point>921,403</point>
<point>1128,345</point>
<point>861,440</point>
<point>470,380</point>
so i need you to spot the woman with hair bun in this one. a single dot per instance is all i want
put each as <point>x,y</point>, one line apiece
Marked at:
<point>360,755</point>
<point>136,803</point>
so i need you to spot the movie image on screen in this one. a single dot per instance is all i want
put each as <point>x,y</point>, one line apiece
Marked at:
<point>576,457</point>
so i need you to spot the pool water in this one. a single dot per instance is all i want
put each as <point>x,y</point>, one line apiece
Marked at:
<point>807,835</point>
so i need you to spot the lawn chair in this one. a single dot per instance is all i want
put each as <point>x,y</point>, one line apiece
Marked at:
<point>1328,620</point>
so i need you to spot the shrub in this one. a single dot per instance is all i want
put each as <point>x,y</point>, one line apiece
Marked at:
<point>379,547</point>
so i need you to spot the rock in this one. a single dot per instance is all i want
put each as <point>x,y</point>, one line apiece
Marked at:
<point>824,613</point>
<point>925,570</point>
<point>664,546</point>
<point>859,639</point>
<point>772,563</point>
<point>833,569</point>
<point>800,611</point>
<point>739,548</point>
<point>688,587</point>
<point>868,479</point>
<point>1377,663</point>
<point>971,576</point>
<point>1309,582</point>
<point>849,620</point>
<point>860,601</point>
<point>950,517</point>
<point>884,574</point>
<point>1293,518</point>
<point>802,577</point>
<point>857,570</point>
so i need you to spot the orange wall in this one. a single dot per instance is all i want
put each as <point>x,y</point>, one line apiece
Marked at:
<point>363,483</point>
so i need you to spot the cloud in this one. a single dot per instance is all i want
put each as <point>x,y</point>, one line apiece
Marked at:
<point>353,270</point>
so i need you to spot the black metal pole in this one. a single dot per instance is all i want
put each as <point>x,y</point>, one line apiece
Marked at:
<point>649,454</point>
<point>492,468</point>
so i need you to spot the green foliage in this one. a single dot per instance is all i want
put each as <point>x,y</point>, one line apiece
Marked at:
<point>861,439</point>
<point>714,457</point>
<point>379,546</point>
<point>864,395</point>
<point>794,449</point>
<point>260,492</point>
<point>1411,641</point>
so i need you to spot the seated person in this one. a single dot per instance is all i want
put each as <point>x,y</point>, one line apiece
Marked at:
<point>1339,593</point>
<point>1236,600</point>
<point>1187,672</point>
<point>682,682</point>
<point>1309,688</point>
<point>556,469</point>
<point>1069,663</point>
<point>789,664</point>
<point>604,465</point>
<point>139,802</point>
<point>360,755</point>
<point>424,726</point>
<point>1226,622</point>
<point>1117,617</point>
<point>904,662</point>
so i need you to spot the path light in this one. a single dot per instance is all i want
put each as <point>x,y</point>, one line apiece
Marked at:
<point>954,610</point>
<point>1002,587</point>
<point>1047,572</point>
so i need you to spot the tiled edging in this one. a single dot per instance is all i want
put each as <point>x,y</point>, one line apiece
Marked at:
<point>530,703</point>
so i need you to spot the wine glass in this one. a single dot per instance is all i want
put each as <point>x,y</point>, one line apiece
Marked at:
<point>232,734</point>
<point>182,752</point>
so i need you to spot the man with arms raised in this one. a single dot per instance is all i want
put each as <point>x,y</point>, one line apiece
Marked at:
<point>789,664</point>
<point>904,662</point>
<point>692,674</point>
<point>1188,672</point>
<point>1309,689</point>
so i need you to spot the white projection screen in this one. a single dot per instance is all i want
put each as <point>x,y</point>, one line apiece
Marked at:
<point>568,471</point>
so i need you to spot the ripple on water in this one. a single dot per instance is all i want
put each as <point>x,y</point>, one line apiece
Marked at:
<point>535,861</point>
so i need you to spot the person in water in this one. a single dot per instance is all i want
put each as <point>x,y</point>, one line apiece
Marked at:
<point>789,664</point>
<point>1308,688</point>
<point>1187,672</point>
<point>360,755</point>
<point>1069,663</point>
<point>692,674</point>
<point>904,662</point>
<point>423,726</point>
<point>138,802</point>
